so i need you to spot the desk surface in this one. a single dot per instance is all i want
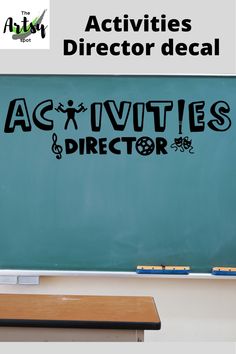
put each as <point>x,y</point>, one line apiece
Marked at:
<point>111,312</point>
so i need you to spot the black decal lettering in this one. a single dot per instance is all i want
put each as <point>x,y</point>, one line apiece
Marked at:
<point>222,122</point>
<point>38,115</point>
<point>159,109</point>
<point>71,146</point>
<point>196,116</point>
<point>81,146</point>
<point>161,143</point>
<point>129,141</point>
<point>112,147</point>
<point>96,116</point>
<point>118,116</point>
<point>103,146</point>
<point>91,144</point>
<point>17,115</point>
<point>138,114</point>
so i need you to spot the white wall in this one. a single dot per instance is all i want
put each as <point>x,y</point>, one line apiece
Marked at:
<point>190,309</point>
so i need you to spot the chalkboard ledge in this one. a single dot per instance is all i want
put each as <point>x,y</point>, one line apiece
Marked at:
<point>13,275</point>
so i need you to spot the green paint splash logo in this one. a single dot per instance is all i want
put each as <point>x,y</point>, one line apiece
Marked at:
<point>27,29</point>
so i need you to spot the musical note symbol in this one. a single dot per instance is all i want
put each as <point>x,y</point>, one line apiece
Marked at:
<point>56,149</point>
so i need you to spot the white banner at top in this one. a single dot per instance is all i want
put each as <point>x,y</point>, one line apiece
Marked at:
<point>124,37</point>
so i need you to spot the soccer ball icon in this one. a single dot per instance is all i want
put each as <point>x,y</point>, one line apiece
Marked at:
<point>145,146</point>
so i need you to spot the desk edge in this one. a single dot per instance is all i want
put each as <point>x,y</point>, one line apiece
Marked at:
<point>80,324</point>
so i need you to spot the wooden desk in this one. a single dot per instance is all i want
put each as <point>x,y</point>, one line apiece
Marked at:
<point>76,318</point>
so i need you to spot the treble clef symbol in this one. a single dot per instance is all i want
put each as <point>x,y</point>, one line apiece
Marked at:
<point>56,149</point>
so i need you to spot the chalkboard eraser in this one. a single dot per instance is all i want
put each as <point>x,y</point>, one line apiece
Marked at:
<point>223,271</point>
<point>141,269</point>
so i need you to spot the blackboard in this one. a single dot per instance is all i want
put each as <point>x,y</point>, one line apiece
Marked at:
<point>147,178</point>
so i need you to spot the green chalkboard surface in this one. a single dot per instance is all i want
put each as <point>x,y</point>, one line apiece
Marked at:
<point>106,173</point>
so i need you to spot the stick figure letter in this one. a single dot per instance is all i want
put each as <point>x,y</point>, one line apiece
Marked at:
<point>71,111</point>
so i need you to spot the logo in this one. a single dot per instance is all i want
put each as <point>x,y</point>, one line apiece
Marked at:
<point>25,24</point>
